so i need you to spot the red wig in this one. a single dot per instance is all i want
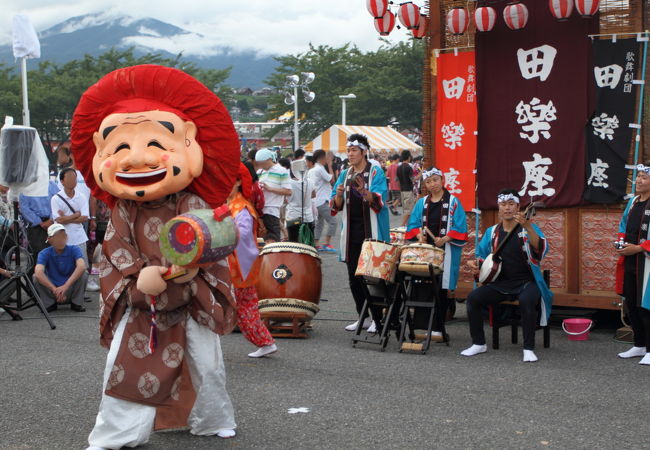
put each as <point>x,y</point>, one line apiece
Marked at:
<point>151,87</point>
<point>246,181</point>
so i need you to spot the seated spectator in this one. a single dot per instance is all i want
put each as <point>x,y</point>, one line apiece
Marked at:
<point>60,274</point>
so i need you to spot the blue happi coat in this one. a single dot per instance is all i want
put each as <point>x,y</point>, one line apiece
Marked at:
<point>455,228</point>
<point>645,244</point>
<point>379,225</point>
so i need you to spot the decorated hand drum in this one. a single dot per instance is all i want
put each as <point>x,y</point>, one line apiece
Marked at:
<point>196,238</point>
<point>378,260</point>
<point>290,270</point>
<point>416,258</point>
<point>398,235</point>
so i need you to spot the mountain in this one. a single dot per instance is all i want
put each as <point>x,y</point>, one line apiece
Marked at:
<point>94,34</point>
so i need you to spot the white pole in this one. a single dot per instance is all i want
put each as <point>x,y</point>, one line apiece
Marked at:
<point>343,112</point>
<point>23,73</point>
<point>296,137</point>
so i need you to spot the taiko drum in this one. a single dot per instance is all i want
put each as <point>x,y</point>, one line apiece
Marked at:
<point>290,270</point>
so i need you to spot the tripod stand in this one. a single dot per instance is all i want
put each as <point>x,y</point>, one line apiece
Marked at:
<point>21,280</point>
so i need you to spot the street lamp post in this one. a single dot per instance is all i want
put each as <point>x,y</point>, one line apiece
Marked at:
<point>291,98</point>
<point>343,109</point>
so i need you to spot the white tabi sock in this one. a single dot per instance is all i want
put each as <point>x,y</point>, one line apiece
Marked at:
<point>474,350</point>
<point>634,352</point>
<point>530,356</point>
<point>352,326</point>
<point>226,434</point>
<point>646,360</point>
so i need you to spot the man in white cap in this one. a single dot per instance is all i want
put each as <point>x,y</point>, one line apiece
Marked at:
<point>276,185</point>
<point>60,273</point>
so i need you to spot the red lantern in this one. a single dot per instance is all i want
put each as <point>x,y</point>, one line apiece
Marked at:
<point>409,15</point>
<point>421,30</point>
<point>561,9</point>
<point>515,15</point>
<point>587,8</point>
<point>457,20</point>
<point>385,25</point>
<point>377,8</point>
<point>485,18</point>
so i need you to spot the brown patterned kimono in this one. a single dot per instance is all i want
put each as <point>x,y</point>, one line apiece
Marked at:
<point>131,243</point>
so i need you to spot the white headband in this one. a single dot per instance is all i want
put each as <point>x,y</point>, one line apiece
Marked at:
<point>357,144</point>
<point>429,173</point>
<point>644,169</point>
<point>502,198</point>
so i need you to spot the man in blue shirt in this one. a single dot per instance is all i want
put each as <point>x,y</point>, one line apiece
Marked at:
<point>60,273</point>
<point>37,213</point>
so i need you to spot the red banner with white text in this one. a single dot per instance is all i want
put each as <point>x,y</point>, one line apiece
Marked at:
<point>455,127</point>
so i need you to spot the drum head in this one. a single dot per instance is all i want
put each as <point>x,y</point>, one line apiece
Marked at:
<point>292,247</point>
<point>418,245</point>
<point>268,307</point>
<point>380,242</point>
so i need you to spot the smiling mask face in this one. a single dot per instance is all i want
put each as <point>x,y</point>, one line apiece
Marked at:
<point>145,156</point>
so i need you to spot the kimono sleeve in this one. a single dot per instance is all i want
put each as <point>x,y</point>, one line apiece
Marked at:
<point>623,222</point>
<point>458,228</point>
<point>485,245</point>
<point>413,228</point>
<point>333,208</point>
<point>536,255</point>
<point>379,189</point>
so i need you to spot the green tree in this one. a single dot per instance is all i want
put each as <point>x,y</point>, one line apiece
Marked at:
<point>55,89</point>
<point>387,83</point>
<point>336,71</point>
<point>243,105</point>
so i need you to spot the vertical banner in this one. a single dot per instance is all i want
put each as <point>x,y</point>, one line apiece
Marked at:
<point>534,99</point>
<point>609,134</point>
<point>455,127</point>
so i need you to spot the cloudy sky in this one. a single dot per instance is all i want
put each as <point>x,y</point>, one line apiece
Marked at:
<point>266,26</point>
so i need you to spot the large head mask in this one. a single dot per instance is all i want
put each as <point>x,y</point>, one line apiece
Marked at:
<point>145,132</point>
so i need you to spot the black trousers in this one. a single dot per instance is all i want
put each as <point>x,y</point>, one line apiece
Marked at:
<point>423,292</point>
<point>440,310</point>
<point>357,286</point>
<point>486,295</point>
<point>36,237</point>
<point>639,317</point>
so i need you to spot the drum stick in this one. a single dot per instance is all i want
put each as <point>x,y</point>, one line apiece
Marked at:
<point>429,233</point>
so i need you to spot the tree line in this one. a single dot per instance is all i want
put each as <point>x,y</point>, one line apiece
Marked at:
<point>387,83</point>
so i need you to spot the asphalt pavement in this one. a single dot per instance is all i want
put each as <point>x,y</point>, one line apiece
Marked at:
<point>579,395</point>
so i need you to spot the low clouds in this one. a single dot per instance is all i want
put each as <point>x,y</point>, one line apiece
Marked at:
<point>263,26</point>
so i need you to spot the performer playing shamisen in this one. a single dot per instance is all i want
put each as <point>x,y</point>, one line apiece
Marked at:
<point>520,278</point>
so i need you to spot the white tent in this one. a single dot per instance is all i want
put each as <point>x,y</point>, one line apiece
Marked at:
<point>383,140</point>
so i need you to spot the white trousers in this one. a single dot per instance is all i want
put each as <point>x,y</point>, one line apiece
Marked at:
<point>121,423</point>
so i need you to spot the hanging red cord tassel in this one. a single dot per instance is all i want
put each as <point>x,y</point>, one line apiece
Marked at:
<point>153,331</point>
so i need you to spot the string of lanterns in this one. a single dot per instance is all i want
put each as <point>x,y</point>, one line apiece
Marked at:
<point>515,15</point>
<point>408,13</point>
